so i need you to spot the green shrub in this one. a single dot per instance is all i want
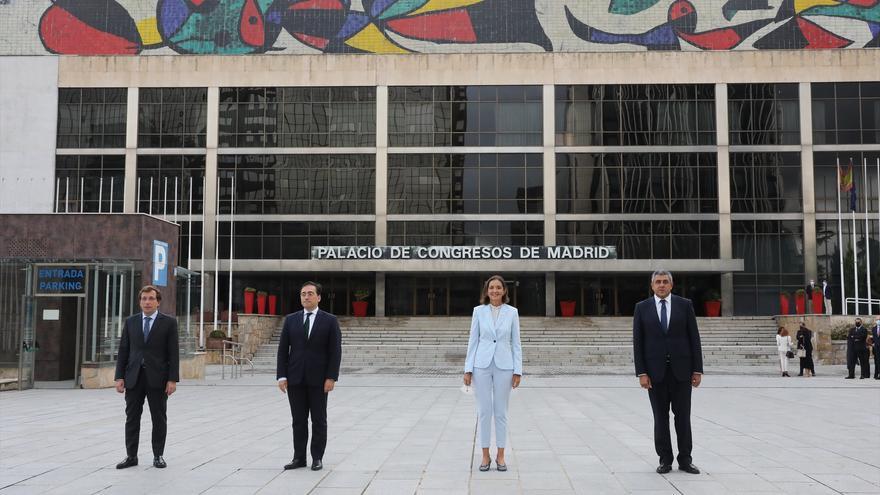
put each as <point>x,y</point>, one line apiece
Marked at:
<point>217,334</point>
<point>839,332</point>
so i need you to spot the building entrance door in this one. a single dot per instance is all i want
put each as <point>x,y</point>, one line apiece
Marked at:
<point>431,296</point>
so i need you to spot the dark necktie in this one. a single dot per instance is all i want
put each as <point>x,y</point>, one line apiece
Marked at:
<point>146,328</point>
<point>306,325</point>
<point>663,320</point>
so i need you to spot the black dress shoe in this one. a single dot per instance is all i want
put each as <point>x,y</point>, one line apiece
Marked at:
<point>688,468</point>
<point>295,463</point>
<point>317,465</point>
<point>849,377</point>
<point>664,468</point>
<point>159,462</point>
<point>127,463</point>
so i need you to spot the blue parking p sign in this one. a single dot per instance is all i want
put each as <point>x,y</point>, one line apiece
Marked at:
<point>160,263</point>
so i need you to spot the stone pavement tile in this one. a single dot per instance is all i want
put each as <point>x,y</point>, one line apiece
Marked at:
<point>249,477</point>
<point>336,491</point>
<point>786,475</point>
<point>494,487</point>
<point>846,483</point>
<point>347,479</point>
<point>231,490</point>
<point>804,488</point>
<point>532,491</point>
<point>392,487</point>
<point>643,481</point>
<point>702,487</point>
<point>444,480</point>
<point>546,481</point>
<point>442,491</point>
<point>600,484</point>
<point>582,464</point>
<point>743,482</point>
<point>400,474</point>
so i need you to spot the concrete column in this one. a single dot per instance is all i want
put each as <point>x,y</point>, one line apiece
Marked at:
<point>549,166</point>
<point>725,237</point>
<point>808,183</point>
<point>380,294</point>
<point>550,293</point>
<point>209,230</point>
<point>381,168</point>
<point>129,191</point>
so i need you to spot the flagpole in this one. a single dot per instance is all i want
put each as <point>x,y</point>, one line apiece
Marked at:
<point>878,201</point>
<point>202,268</point>
<point>867,236</point>
<point>852,211</point>
<point>840,244</point>
<point>217,259</point>
<point>231,246</point>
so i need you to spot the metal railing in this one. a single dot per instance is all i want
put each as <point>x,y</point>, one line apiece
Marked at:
<point>233,351</point>
<point>857,302</point>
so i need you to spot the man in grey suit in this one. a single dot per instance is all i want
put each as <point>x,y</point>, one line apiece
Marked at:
<point>669,363</point>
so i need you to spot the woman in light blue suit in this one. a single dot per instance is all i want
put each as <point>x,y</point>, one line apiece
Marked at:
<point>494,364</point>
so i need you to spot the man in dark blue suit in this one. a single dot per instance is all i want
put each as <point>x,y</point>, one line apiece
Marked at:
<point>669,363</point>
<point>147,367</point>
<point>309,355</point>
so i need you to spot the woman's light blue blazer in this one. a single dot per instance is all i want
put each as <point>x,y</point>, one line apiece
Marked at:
<point>497,340</point>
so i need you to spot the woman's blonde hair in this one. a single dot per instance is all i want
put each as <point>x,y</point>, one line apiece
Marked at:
<point>484,297</point>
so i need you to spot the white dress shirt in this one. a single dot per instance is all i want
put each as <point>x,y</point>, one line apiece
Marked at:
<point>657,305</point>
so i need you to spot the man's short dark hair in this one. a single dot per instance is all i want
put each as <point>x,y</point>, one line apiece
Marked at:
<point>316,285</point>
<point>150,288</point>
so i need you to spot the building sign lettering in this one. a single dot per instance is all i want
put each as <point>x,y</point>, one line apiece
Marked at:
<point>464,252</point>
<point>57,280</point>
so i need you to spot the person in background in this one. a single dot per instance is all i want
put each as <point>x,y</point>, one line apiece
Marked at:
<point>857,349</point>
<point>783,347</point>
<point>875,334</point>
<point>494,364</point>
<point>826,293</point>
<point>804,339</point>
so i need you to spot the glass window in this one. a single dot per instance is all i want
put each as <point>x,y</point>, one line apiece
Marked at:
<point>636,183</point>
<point>292,240</point>
<point>825,172</point>
<point>172,117</point>
<point>457,233</point>
<point>298,117</point>
<point>168,180</point>
<point>91,117</point>
<point>298,184</point>
<point>846,113</point>
<point>465,116</point>
<point>765,182</point>
<point>773,252</point>
<point>465,183</point>
<point>89,183</point>
<point>645,240</point>
<point>763,114</point>
<point>635,115</point>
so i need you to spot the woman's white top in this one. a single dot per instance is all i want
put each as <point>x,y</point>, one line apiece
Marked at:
<point>783,344</point>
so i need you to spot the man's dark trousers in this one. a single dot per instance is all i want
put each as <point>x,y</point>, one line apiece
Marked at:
<point>677,395</point>
<point>308,401</point>
<point>134,407</point>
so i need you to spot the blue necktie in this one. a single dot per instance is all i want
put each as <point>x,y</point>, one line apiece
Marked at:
<point>663,321</point>
<point>146,328</point>
<point>306,325</point>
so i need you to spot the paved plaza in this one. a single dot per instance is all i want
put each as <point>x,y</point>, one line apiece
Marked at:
<point>415,433</point>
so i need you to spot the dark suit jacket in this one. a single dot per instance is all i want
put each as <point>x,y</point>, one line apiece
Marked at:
<point>681,342</point>
<point>827,292</point>
<point>856,339</point>
<point>805,339</point>
<point>310,362</point>
<point>159,354</point>
<point>875,331</point>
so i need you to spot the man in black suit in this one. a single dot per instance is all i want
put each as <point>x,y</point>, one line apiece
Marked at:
<point>875,334</point>
<point>147,367</point>
<point>308,367</point>
<point>669,363</point>
<point>857,349</point>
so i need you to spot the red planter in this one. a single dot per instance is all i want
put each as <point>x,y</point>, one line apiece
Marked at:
<point>249,301</point>
<point>273,304</point>
<point>799,303</point>
<point>359,308</point>
<point>261,304</point>
<point>567,308</point>
<point>713,308</point>
<point>783,304</point>
<point>818,303</point>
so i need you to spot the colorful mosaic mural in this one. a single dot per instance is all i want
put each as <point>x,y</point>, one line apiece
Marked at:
<point>238,27</point>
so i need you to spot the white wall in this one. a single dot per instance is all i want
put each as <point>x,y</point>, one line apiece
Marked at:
<point>28,115</point>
